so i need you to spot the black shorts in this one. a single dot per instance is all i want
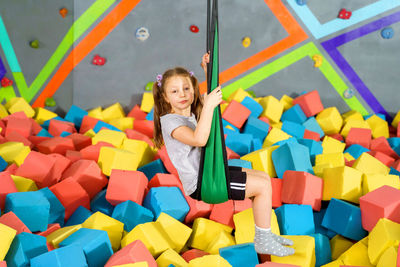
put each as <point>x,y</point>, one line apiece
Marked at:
<point>238,183</point>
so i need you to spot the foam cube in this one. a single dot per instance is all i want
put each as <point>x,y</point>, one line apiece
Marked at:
<point>359,136</point>
<point>378,126</point>
<point>80,141</point>
<point>381,144</point>
<point>209,260</point>
<point>223,213</point>
<point>330,120</point>
<point>115,111</point>
<point>304,255</point>
<point>273,109</point>
<point>302,188</point>
<point>14,152</point>
<point>252,105</point>
<point>7,235</point>
<point>134,252</point>
<point>114,158</point>
<point>132,134</point>
<point>113,137</point>
<point>344,218</point>
<point>343,183</point>
<point>352,115</point>
<point>75,115</point>
<point>356,150</point>
<point>236,113</point>
<point>383,202</point>
<point>385,159</point>
<point>368,164</point>
<point>7,186</point>
<point>322,249</point>
<point>275,135</point>
<point>43,115</point>
<point>24,247</point>
<point>131,214</point>
<point>294,129</point>
<point>96,113</point>
<point>163,179</point>
<point>92,152</point>
<point>331,145</point>
<point>57,144</point>
<point>262,160</point>
<point>147,102</point>
<point>67,256</point>
<point>257,128</point>
<point>339,244</point>
<point>353,124</point>
<point>171,257</point>
<point>141,149</point>
<point>311,124</point>
<point>221,240</point>
<point>23,126</point>
<point>197,209</point>
<point>169,200</point>
<point>95,244</point>
<point>123,123</point>
<point>239,95</point>
<point>310,103</point>
<point>374,181</point>
<point>294,114</point>
<point>357,254</point>
<point>240,143</point>
<point>79,216</point>
<point>17,104</point>
<point>57,210</point>
<point>145,127</point>
<point>57,236</point>
<point>295,219</point>
<point>137,113</point>
<point>24,184</point>
<point>11,220</point>
<point>240,255</point>
<point>389,257</point>
<point>32,208</point>
<point>58,128</point>
<point>100,203</point>
<point>193,254</point>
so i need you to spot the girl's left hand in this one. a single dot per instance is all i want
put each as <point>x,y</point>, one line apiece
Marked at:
<point>204,61</point>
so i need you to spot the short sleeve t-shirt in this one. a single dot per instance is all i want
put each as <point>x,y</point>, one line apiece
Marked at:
<point>185,158</point>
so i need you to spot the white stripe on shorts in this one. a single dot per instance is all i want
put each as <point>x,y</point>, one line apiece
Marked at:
<point>238,184</point>
<point>238,188</point>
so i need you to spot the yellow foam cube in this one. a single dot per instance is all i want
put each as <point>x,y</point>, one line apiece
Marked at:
<point>204,231</point>
<point>96,113</point>
<point>277,125</point>
<point>304,255</point>
<point>170,256</point>
<point>115,158</point>
<point>147,102</point>
<point>388,258</point>
<point>178,232</point>
<point>286,101</point>
<point>113,227</point>
<point>20,157</point>
<point>136,264</point>
<point>332,145</point>
<point>342,183</point>
<point>153,237</point>
<point>14,152</point>
<point>396,120</point>
<point>209,261</point>
<point>115,138</point>
<point>334,159</point>
<point>348,156</point>
<point>43,115</point>
<point>7,235</point>
<point>336,263</point>
<point>339,244</point>
<point>353,124</point>
<point>3,111</point>
<point>221,240</point>
<point>368,164</point>
<point>385,234</point>
<point>275,135</point>
<point>115,111</point>
<point>59,235</point>
<point>223,106</point>
<point>122,123</point>
<point>238,95</point>
<point>330,120</point>
<point>319,169</point>
<point>141,149</point>
<point>90,133</point>
<point>378,126</point>
<point>374,181</point>
<point>24,184</point>
<point>273,109</point>
<point>357,254</point>
<point>352,115</point>
<point>17,104</point>
<point>262,160</point>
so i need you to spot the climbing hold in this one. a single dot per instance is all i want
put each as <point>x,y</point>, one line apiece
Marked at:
<point>301,2</point>
<point>6,82</point>
<point>348,93</point>
<point>63,12</point>
<point>344,14</point>
<point>246,41</point>
<point>98,60</point>
<point>387,33</point>
<point>142,33</point>
<point>193,28</point>
<point>317,60</point>
<point>34,44</point>
<point>50,102</point>
<point>149,86</point>
<point>251,93</point>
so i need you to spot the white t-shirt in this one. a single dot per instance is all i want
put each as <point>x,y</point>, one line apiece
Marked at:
<point>185,158</point>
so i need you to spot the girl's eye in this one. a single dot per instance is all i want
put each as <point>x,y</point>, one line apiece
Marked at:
<point>187,88</point>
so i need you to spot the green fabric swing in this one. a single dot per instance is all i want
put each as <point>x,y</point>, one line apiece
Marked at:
<point>213,175</point>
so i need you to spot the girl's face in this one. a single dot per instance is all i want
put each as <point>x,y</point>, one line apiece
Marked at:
<point>179,93</point>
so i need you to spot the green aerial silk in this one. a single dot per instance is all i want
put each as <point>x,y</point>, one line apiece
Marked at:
<point>213,173</point>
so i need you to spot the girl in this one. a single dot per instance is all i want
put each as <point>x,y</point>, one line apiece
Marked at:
<point>182,119</point>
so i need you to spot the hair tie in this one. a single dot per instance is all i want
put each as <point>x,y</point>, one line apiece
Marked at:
<point>191,73</point>
<point>159,78</point>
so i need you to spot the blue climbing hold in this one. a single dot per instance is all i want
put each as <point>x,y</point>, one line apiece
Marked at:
<point>387,33</point>
<point>301,2</point>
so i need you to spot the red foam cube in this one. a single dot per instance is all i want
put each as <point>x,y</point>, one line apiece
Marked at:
<point>382,157</point>
<point>35,140</point>
<point>337,136</point>
<point>126,185</point>
<point>311,135</point>
<point>383,202</point>
<point>310,103</point>
<point>71,195</point>
<point>56,127</point>
<point>398,129</point>
<point>21,125</point>
<point>230,154</point>
<point>236,114</point>
<point>276,185</point>
<point>80,141</point>
<point>302,188</point>
<point>12,220</point>
<point>56,145</point>
<point>12,169</point>
<point>61,163</point>
<point>359,136</point>
<point>163,154</point>
<point>92,152</point>
<point>223,213</point>
<point>50,229</point>
<point>164,179</point>
<point>36,128</point>
<point>144,126</point>
<point>134,252</point>
<point>137,113</point>
<point>132,134</point>
<point>17,137</point>
<point>87,124</point>
<point>396,165</point>
<point>382,145</point>
<point>198,209</point>
<point>73,155</point>
<point>193,254</point>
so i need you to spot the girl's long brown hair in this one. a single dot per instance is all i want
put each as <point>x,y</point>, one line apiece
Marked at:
<point>162,107</point>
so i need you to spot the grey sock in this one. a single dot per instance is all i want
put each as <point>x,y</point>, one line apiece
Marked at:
<point>265,243</point>
<point>283,241</point>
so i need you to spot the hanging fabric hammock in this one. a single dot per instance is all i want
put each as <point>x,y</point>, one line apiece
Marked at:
<point>213,175</point>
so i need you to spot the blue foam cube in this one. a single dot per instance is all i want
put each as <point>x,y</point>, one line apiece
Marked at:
<point>257,128</point>
<point>68,256</point>
<point>3,164</point>
<point>226,123</point>
<point>100,124</point>
<point>75,115</point>
<point>79,216</point>
<point>57,210</point>
<point>394,142</point>
<point>293,129</point>
<point>345,219</point>
<point>150,115</point>
<point>238,142</point>
<point>152,168</point>
<point>356,150</point>
<point>242,255</point>
<point>319,229</point>
<point>240,163</point>
<point>65,134</point>
<point>32,208</point>
<point>169,200</point>
<point>314,147</point>
<point>322,249</point>
<point>256,144</point>
<point>132,214</point>
<point>255,108</point>
<point>291,156</point>
<point>311,124</point>
<point>24,247</point>
<point>394,171</point>
<point>290,140</point>
<point>380,115</point>
<point>46,124</point>
<point>294,114</point>
<point>295,219</point>
<point>44,133</point>
<point>397,149</point>
<point>100,203</point>
<point>96,245</point>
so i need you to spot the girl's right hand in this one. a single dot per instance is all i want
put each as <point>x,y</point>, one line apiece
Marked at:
<point>213,99</point>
